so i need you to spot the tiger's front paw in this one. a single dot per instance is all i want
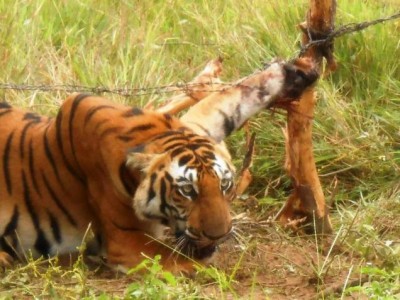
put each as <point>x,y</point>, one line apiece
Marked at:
<point>178,267</point>
<point>186,268</point>
<point>6,259</point>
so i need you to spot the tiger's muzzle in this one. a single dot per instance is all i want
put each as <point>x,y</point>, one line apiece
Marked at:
<point>201,246</point>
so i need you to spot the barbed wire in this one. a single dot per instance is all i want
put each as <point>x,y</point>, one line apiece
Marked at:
<point>186,87</point>
<point>126,92</point>
<point>346,29</point>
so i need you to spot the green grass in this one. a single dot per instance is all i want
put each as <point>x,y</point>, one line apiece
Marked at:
<point>152,43</point>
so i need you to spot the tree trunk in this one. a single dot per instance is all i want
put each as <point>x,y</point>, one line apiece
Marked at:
<point>306,205</point>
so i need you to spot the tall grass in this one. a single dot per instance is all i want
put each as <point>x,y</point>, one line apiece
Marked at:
<point>153,43</point>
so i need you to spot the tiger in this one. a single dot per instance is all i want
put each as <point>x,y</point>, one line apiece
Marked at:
<point>126,172</point>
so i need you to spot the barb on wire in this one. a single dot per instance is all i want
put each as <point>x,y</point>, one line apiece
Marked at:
<point>346,29</point>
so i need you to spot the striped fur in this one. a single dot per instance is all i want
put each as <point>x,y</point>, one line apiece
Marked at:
<point>125,171</point>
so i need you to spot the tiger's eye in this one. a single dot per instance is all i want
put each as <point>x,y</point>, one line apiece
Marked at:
<point>225,183</point>
<point>187,188</point>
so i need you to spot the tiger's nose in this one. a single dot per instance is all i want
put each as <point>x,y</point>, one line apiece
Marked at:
<point>219,238</point>
<point>192,233</point>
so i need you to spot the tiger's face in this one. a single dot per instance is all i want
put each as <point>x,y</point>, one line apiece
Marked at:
<point>189,189</point>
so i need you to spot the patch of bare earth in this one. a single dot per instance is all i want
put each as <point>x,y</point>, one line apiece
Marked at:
<point>270,263</point>
<point>262,261</point>
<point>265,261</point>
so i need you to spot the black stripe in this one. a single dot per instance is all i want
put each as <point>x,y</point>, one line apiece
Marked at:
<point>4,245</point>
<point>41,244</point>
<point>99,239</point>
<point>127,181</point>
<point>50,157</point>
<point>180,179</point>
<point>173,146</point>
<point>142,127</point>
<point>78,99</point>
<point>95,109</point>
<point>167,134</point>
<point>180,138</point>
<point>185,159</point>
<point>32,169</point>
<point>165,121</point>
<point>55,228</point>
<point>208,155</point>
<point>201,140</point>
<point>13,223</point>
<point>168,117</point>
<point>57,200</point>
<point>32,116</point>
<point>169,178</point>
<point>28,201</point>
<point>60,145</point>
<point>151,193</point>
<point>4,105</point>
<point>135,111</point>
<point>190,135</point>
<point>5,112</point>
<point>176,152</point>
<point>22,139</point>
<point>195,147</point>
<point>229,123</point>
<point>6,160</point>
<point>163,196</point>
<point>125,138</point>
<point>238,112</point>
<point>187,169</point>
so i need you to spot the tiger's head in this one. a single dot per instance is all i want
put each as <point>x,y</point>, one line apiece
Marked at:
<point>187,184</point>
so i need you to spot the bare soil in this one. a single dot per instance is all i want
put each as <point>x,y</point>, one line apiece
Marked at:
<point>267,262</point>
<point>262,261</point>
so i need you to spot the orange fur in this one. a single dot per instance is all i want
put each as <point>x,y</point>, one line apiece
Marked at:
<point>93,164</point>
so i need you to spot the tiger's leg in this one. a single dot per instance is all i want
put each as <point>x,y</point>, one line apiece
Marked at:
<point>6,259</point>
<point>127,249</point>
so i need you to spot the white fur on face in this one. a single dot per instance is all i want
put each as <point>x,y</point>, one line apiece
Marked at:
<point>222,168</point>
<point>184,175</point>
<point>179,173</point>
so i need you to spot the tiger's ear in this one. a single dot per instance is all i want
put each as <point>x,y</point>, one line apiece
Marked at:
<point>137,160</point>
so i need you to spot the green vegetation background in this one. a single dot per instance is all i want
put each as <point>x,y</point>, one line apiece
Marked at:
<point>154,43</point>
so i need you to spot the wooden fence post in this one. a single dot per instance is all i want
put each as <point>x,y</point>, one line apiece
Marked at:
<point>306,205</point>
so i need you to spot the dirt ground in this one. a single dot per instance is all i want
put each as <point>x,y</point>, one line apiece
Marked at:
<point>262,261</point>
<point>269,263</point>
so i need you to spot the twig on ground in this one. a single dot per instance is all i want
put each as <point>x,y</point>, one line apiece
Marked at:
<point>339,287</point>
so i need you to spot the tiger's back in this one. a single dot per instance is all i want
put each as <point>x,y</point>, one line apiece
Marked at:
<point>44,205</point>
